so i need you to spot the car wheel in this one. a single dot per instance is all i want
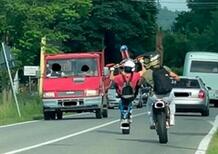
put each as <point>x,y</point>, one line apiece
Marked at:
<point>205,112</point>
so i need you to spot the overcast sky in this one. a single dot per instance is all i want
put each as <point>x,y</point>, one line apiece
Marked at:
<point>179,5</point>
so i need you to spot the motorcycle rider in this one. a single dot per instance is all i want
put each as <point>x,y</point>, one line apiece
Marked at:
<point>154,63</point>
<point>127,72</point>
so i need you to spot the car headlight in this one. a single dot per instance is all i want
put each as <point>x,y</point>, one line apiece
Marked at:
<point>91,92</point>
<point>48,94</point>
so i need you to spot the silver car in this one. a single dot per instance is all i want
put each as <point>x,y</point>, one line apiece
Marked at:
<point>191,95</point>
<point>112,97</point>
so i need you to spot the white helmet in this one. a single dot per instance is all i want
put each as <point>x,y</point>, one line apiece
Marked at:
<point>129,66</point>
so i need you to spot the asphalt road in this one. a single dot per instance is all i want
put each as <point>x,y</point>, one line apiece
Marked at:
<point>83,134</point>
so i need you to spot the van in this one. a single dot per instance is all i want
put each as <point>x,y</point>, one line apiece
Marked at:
<point>204,65</point>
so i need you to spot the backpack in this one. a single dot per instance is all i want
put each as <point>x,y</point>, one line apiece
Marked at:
<point>127,92</point>
<point>162,81</point>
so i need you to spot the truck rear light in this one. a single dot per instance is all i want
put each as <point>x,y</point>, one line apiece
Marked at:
<point>201,94</point>
<point>91,92</point>
<point>48,94</point>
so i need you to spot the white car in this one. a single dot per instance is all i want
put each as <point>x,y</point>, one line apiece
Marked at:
<point>112,97</point>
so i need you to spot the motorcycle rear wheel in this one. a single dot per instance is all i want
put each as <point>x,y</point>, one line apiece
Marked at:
<point>161,127</point>
<point>125,131</point>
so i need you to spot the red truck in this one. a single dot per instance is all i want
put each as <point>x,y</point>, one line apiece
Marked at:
<point>74,82</point>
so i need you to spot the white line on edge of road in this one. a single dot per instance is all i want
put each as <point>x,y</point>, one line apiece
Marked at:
<point>26,122</point>
<point>20,123</point>
<point>202,147</point>
<point>67,136</point>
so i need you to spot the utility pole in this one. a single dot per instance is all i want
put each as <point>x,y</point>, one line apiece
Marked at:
<point>159,44</point>
<point>42,64</point>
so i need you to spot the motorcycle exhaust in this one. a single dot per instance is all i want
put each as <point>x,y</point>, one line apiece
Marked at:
<point>159,104</point>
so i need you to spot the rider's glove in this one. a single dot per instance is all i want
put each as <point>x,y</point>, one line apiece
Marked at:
<point>141,60</point>
<point>112,69</point>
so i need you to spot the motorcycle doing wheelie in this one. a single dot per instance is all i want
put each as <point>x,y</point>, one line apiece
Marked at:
<point>161,117</point>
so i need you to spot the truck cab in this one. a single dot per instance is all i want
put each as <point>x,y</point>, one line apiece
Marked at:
<point>74,82</point>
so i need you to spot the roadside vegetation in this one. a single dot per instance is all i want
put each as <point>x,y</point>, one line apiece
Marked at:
<point>30,108</point>
<point>213,147</point>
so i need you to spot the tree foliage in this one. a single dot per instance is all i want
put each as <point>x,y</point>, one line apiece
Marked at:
<point>78,25</point>
<point>195,30</point>
<point>23,23</point>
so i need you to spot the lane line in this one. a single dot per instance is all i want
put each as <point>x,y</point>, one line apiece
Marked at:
<point>202,147</point>
<point>68,136</point>
<point>20,123</point>
<point>27,122</point>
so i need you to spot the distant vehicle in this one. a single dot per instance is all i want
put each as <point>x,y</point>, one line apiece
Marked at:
<point>204,65</point>
<point>139,100</point>
<point>74,82</point>
<point>112,97</point>
<point>191,95</point>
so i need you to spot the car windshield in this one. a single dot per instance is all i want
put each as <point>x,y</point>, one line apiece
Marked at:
<point>187,83</point>
<point>72,67</point>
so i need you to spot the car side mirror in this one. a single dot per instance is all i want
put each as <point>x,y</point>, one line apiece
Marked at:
<point>209,88</point>
<point>106,70</point>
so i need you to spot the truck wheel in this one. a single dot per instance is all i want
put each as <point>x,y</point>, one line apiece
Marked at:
<point>46,115</point>
<point>98,114</point>
<point>105,113</point>
<point>52,115</point>
<point>59,115</point>
<point>49,115</point>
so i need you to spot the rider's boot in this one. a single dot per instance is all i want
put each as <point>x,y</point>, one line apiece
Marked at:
<point>151,121</point>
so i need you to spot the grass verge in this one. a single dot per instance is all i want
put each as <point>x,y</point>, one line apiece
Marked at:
<point>213,147</point>
<point>30,109</point>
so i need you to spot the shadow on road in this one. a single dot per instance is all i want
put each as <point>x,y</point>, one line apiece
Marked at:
<point>189,133</point>
<point>109,132</point>
<point>141,140</point>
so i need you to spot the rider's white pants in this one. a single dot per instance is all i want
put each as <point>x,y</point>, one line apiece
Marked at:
<point>167,98</point>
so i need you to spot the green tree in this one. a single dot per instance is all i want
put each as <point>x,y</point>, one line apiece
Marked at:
<point>126,22</point>
<point>25,22</point>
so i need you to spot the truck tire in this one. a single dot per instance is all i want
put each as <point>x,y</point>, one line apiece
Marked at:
<point>46,115</point>
<point>49,115</point>
<point>98,114</point>
<point>59,115</point>
<point>105,113</point>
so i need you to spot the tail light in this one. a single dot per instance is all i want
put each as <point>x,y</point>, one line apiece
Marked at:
<point>201,94</point>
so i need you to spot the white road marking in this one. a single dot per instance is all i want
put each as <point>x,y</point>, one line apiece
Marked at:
<point>27,122</point>
<point>67,136</point>
<point>20,123</point>
<point>202,147</point>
